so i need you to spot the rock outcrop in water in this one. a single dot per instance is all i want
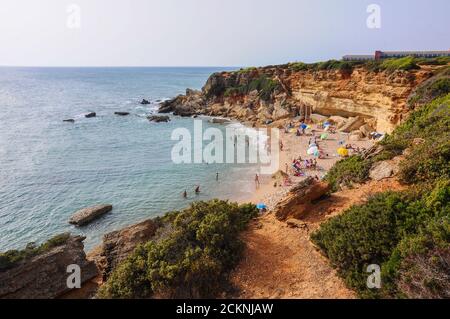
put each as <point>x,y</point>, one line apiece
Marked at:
<point>122,113</point>
<point>158,118</point>
<point>86,215</point>
<point>45,275</point>
<point>274,93</point>
<point>90,115</point>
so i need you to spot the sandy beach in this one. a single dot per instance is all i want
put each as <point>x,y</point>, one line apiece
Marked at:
<point>295,146</point>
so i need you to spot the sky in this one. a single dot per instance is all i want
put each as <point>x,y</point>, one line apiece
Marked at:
<point>213,32</point>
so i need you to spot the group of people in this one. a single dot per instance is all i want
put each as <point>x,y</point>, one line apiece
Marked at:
<point>196,190</point>
<point>299,165</point>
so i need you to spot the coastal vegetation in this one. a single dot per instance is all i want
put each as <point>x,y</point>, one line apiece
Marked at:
<point>264,85</point>
<point>389,65</point>
<point>11,258</point>
<point>407,233</point>
<point>191,257</point>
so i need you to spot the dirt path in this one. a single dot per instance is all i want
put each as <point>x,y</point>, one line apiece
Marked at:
<point>281,262</point>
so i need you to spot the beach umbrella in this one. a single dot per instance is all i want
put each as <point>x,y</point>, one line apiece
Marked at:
<point>312,150</point>
<point>317,153</point>
<point>324,136</point>
<point>343,152</point>
<point>312,145</point>
<point>327,124</point>
<point>261,206</point>
<point>304,126</point>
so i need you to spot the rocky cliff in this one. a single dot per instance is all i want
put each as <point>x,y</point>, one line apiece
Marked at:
<point>44,275</point>
<point>273,93</point>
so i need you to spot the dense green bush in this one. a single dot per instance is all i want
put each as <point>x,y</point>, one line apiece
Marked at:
<point>348,171</point>
<point>263,84</point>
<point>405,64</point>
<point>378,232</point>
<point>195,251</point>
<point>437,86</point>
<point>13,257</point>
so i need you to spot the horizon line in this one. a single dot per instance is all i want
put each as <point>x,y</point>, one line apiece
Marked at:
<point>121,66</point>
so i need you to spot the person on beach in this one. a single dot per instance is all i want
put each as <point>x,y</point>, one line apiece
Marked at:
<point>281,145</point>
<point>257,182</point>
<point>185,194</point>
<point>197,190</point>
<point>286,167</point>
<point>217,176</point>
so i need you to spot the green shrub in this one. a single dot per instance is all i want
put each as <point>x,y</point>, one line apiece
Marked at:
<point>263,84</point>
<point>437,86</point>
<point>299,66</point>
<point>427,161</point>
<point>196,250</point>
<point>429,158</point>
<point>405,64</point>
<point>11,258</point>
<point>443,60</point>
<point>247,70</point>
<point>348,171</point>
<point>384,231</point>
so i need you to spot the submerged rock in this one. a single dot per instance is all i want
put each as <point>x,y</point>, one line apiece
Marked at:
<point>122,113</point>
<point>145,102</point>
<point>45,275</point>
<point>90,114</point>
<point>69,120</point>
<point>219,121</point>
<point>158,118</point>
<point>86,215</point>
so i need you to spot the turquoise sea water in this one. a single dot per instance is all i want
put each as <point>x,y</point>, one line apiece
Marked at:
<point>49,168</point>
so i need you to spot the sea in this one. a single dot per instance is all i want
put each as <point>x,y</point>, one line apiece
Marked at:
<point>49,169</point>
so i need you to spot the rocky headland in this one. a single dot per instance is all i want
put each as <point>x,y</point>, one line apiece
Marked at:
<point>273,93</point>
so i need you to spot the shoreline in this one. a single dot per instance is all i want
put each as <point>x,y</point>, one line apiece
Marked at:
<point>294,146</point>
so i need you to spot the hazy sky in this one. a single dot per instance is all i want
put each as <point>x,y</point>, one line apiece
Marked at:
<point>211,32</point>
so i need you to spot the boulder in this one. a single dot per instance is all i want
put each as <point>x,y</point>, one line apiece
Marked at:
<point>295,223</point>
<point>90,114</point>
<point>219,121</point>
<point>352,124</point>
<point>299,200</point>
<point>86,215</point>
<point>122,113</point>
<point>44,276</point>
<point>338,121</point>
<point>145,102</point>
<point>158,118</point>
<point>317,118</point>
<point>69,120</point>
<point>384,169</point>
<point>356,136</point>
<point>184,105</point>
<point>118,245</point>
<point>366,129</point>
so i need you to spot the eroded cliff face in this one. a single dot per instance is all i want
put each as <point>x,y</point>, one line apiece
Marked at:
<point>274,93</point>
<point>379,97</point>
<point>45,276</point>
